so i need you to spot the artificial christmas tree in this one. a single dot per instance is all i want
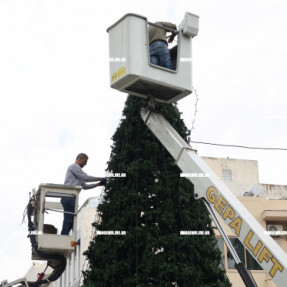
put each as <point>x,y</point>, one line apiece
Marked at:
<point>152,204</point>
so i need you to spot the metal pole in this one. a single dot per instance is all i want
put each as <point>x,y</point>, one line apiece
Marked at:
<point>243,272</point>
<point>223,234</point>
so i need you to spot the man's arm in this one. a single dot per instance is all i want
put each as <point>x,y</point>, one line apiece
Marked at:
<point>170,38</point>
<point>80,174</point>
<point>89,186</point>
<point>169,25</point>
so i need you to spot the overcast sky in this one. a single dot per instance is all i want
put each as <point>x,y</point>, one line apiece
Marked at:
<point>55,99</point>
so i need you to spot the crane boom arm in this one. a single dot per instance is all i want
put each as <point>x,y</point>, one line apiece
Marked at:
<point>252,235</point>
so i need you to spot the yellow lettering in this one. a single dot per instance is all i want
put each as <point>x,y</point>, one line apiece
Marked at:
<point>118,74</point>
<point>226,211</point>
<point>266,255</point>
<point>257,248</point>
<point>276,266</point>
<point>229,212</point>
<point>263,255</point>
<point>247,240</point>
<point>220,204</point>
<point>236,224</point>
<point>211,194</point>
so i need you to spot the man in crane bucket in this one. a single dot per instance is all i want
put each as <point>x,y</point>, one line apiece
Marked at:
<point>76,176</point>
<point>158,47</point>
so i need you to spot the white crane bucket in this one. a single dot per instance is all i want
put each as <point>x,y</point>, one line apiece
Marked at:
<point>47,200</point>
<point>131,70</point>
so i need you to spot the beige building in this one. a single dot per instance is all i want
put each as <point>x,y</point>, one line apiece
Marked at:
<point>238,174</point>
<point>269,208</point>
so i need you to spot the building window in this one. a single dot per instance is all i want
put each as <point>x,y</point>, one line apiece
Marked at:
<point>226,174</point>
<point>227,259</point>
<point>239,250</point>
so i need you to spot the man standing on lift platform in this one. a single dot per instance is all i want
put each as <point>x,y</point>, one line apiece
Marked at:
<point>76,176</point>
<point>158,47</point>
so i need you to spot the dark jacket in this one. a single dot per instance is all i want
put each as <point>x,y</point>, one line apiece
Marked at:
<point>157,34</point>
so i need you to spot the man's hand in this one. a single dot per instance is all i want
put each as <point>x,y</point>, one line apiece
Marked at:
<point>103,181</point>
<point>170,38</point>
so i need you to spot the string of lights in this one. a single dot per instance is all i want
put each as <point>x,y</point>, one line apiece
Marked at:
<point>195,109</point>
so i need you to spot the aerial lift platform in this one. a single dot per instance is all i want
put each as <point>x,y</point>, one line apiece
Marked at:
<point>132,72</point>
<point>47,237</point>
<point>47,242</point>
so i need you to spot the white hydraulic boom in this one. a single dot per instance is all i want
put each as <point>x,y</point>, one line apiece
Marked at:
<point>252,235</point>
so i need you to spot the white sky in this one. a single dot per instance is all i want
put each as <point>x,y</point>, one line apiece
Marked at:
<point>55,99</point>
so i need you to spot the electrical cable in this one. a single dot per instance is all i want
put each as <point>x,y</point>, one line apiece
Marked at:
<point>224,145</point>
<point>24,215</point>
<point>240,146</point>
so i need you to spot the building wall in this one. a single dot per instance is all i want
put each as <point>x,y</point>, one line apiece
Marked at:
<point>272,191</point>
<point>244,173</point>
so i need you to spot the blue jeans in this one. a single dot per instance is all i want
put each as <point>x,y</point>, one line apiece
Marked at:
<point>69,205</point>
<point>159,54</point>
